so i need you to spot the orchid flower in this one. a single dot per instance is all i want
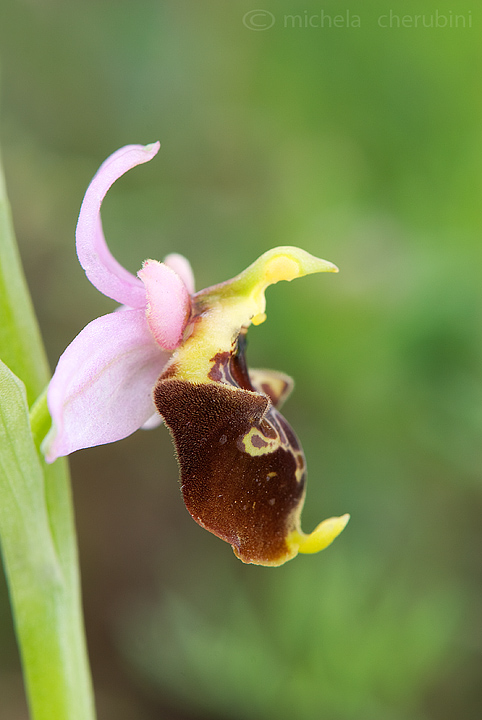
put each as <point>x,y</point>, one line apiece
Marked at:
<point>170,354</point>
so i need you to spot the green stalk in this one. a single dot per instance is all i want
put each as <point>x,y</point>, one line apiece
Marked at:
<point>37,531</point>
<point>21,347</point>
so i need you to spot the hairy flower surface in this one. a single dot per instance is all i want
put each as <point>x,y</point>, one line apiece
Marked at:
<point>170,353</point>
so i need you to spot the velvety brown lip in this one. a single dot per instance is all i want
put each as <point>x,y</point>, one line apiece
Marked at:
<point>226,490</point>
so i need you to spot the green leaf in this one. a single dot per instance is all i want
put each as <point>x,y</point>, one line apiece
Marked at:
<point>40,561</point>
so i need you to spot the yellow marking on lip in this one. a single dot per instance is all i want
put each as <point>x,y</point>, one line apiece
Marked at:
<point>269,445</point>
<point>300,467</point>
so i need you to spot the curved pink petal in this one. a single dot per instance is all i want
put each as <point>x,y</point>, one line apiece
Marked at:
<point>182,267</point>
<point>101,390</point>
<point>168,303</point>
<point>102,269</point>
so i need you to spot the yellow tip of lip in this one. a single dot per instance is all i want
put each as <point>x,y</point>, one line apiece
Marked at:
<point>323,535</point>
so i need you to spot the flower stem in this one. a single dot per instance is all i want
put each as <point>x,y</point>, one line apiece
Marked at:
<point>40,419</point>
<point>21,347</point>
<point>37,530</point>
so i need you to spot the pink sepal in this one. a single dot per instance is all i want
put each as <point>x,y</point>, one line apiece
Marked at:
<point>102,269</point>
<point>101,390</point>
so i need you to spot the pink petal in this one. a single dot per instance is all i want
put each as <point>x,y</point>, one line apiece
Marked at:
<point>102,269</point>
<point>182,267</point>
<point>168,303</point>
<point>153,422</point>
<point>101,390</point>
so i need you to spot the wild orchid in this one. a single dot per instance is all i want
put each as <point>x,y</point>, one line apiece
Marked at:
<point>168,353</point>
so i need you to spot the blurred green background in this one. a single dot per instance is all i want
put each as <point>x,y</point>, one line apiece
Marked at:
<point>362,145</point>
